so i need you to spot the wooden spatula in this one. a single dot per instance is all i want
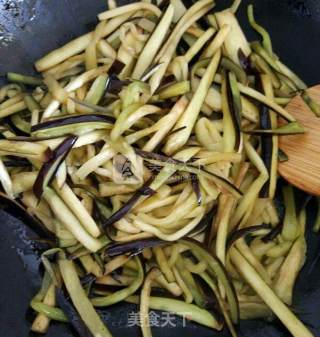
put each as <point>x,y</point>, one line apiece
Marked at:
<point>303,167</point>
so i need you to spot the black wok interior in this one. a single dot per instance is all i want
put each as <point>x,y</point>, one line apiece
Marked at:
<point>31,28</point>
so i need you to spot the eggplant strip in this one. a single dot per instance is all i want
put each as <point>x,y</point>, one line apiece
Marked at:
<point>92,164</point>
<point>78,45</point>
<point>166,53</point>
<point>71,200</point>
<point>120,295</point>
<point>75,84</point>
<point>222,220</point>
<point>12,109</point>
<point>222,305</point>
<point>144,302</point>
<point>267,101</point>
<point>220,181</point>
<point>267,86</point>
<point>200,43</point>
<point>167,123</point>
<point>5,180</point>
<point>188,119</point>
<point>217,42</point>
<point>286,316</point>
<point>189,226</point>
<point>292,128</point>
<point>255,188</point>
<point>80,299</point>
<point>180,308</point>
<point>50,167</point>
<point>190,282</point>
<point>216,269</point>
<point>145,190</point>
<point>158,128</point>
<point>163,263</point>
<point>153,44</point>
<point>63,213</point>
<point>24,149</point>
<point>111,13</point>
<point>230,130</point>
<point>290,229</point>
<point>235,41</point>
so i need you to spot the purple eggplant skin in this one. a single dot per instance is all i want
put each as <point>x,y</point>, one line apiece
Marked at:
<point>114,85</point>
<point>273,233</point>
<point>116,67</point>
<point>234,111</point>
<point>177,130</point>
<point>15,209</point>
<point>266,146</point>
<point>16,162</point>
<point>72,120</point>
<point>133,247</point>
<point>196,187</point>
<point>157,156</point>
<point>170,160</point>
<point>231,293</point>
<point>243,232</point>
<point>145,190</point>
<point>72,314</point>
<point>58,155</point>
<point>245,63</point>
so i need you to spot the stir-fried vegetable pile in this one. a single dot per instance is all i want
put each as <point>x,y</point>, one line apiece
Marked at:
<point>147,151</point>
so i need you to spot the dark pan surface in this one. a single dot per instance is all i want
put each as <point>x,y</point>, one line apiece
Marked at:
<point>29,29</point>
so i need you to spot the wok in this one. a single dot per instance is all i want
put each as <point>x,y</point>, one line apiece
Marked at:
<point>31,28</point>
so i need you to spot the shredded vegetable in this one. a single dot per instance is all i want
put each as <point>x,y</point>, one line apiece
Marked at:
<point>145,152</point>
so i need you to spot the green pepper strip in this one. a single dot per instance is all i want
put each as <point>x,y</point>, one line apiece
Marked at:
<point>18,78</point>
<point>46,281</point>
<point>267,44</point>
<point>51,312</point>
